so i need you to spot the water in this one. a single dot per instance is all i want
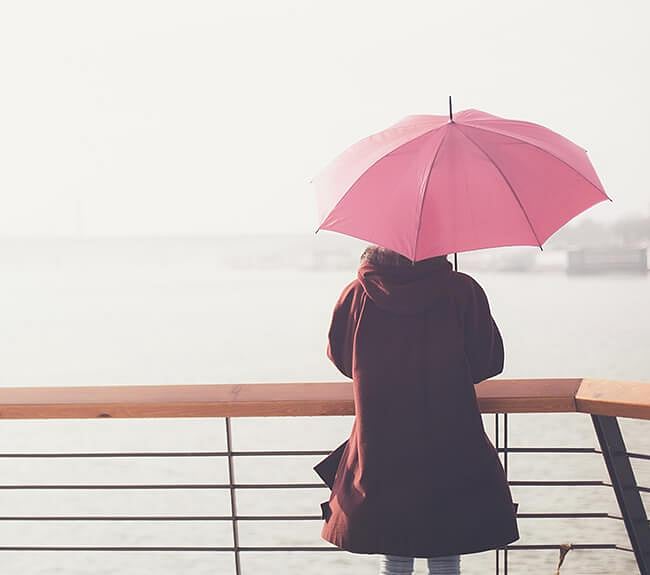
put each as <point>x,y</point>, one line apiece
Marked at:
<point>171,313</point>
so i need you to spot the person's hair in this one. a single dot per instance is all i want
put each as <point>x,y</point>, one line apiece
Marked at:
<point>385,257</point>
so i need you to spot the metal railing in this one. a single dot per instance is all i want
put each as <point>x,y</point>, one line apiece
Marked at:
<point>603,401</point>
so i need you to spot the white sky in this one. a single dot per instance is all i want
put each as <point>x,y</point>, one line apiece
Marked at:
<point>188,117</point>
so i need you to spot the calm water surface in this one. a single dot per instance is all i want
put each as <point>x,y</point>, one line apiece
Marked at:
<point>110,320</point>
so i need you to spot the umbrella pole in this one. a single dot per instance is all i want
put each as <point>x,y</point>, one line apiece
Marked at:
<point>451,119</point>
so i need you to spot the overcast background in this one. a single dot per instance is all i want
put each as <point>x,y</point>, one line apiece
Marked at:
<point>165,118</point>
<point>189,118</point>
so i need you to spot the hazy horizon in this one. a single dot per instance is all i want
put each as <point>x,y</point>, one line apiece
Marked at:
<point>157,227</point>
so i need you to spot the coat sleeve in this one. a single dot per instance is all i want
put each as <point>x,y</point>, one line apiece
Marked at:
<point>341,332</point>
<point>483,342</point>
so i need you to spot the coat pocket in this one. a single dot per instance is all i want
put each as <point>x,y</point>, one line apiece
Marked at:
<point>326,512</point>
<point>327,468</point>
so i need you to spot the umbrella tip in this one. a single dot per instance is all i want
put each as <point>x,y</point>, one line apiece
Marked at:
<point>451,115</point>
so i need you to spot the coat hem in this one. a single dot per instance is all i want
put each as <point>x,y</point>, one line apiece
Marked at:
<point>425,555</point>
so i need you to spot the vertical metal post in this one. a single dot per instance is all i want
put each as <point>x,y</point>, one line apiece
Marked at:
<point>233,498</point>
<point>496,444</point>
<point>624,483</point>
<point>505,468</point>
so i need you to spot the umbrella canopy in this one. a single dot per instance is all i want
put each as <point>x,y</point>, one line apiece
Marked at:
<point>433,185</point>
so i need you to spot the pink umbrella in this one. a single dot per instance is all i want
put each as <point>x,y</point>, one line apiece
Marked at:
<point>433,185</point>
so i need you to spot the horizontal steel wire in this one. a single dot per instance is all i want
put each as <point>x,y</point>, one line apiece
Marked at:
<point>518,483</point>
<point>259,517</point>
<point>170,486</point>
<point>514,547</point>
<point>273,453</point>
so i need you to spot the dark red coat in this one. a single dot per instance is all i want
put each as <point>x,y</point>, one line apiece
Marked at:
<point>418,477</point>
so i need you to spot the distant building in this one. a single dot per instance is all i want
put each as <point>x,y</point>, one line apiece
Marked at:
<point>608,260</point>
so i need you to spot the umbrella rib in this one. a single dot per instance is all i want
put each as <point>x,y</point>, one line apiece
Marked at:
<point>501,133</point>
<point>372,166</point>
<point>423,194</point>
<point>505,179</point>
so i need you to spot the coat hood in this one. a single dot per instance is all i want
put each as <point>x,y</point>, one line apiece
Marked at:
<point>405,289</point>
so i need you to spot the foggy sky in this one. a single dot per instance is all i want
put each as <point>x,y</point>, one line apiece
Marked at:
<point>187,117</point>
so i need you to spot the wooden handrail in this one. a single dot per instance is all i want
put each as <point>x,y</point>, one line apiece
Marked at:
<point>619,398</point>
<point>624,399</point>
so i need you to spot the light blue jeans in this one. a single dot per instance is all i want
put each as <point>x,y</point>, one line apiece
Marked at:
<point>395,565</point>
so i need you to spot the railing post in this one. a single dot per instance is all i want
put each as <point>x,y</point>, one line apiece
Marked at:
<point>496,445</point>
<point>624,483</point>
<point>233,497</point>
<point>505,468</point>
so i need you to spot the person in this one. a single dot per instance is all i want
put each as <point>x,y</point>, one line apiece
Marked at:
<point>418,477</point>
